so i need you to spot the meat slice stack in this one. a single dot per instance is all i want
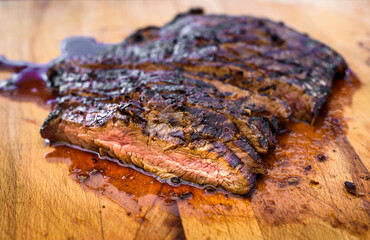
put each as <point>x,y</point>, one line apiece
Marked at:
<point>197,99</point>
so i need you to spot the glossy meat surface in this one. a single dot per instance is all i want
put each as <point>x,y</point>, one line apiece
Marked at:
<point>198,99</point>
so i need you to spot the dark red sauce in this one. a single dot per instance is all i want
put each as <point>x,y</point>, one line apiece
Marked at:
<point>294,167</point>
<point>30,79</point>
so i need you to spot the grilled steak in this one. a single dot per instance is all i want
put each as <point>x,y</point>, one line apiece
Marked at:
<point>162,122</point>
<point>199,98</point>
<point>251,53</point>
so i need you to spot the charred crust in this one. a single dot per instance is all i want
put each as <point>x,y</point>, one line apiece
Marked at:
<point>350,187</point>
<point>52,116</point>
<point>196,11</point>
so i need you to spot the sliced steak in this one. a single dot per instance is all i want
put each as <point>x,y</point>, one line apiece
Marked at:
<point>251,53</point>
<point>209,162</point>
<point>199,98</point>
<point>162,122</point>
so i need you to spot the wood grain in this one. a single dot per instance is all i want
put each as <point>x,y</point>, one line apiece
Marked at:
<point>39,200</point>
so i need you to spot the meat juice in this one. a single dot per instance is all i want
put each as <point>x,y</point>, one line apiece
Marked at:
<point>30,79</point>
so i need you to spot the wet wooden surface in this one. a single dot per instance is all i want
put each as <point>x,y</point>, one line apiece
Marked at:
<point>67,194</point>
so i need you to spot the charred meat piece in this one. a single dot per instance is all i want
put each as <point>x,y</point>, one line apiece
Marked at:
<point>251,53</point>
<point>163,122</point>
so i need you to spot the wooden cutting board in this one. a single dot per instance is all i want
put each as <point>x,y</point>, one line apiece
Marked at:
<point>43,200</point>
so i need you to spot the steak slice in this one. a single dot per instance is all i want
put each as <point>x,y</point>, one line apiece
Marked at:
<point>207,163</point>
<point>162,122</point>
<point>251,53</point>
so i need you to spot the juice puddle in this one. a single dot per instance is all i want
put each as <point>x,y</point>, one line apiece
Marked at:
<point>303,147</point>
<point>29,80</point>
<point>128,187</point>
